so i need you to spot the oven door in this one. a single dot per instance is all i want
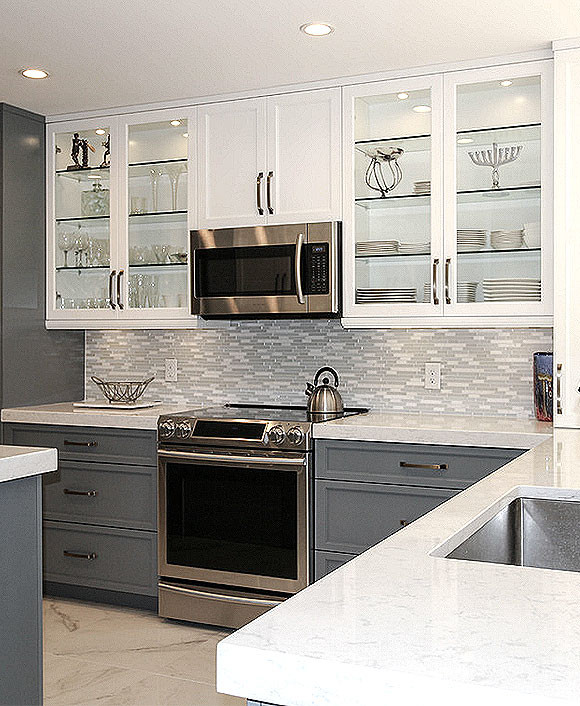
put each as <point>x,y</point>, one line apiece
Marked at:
<point>234,520</point>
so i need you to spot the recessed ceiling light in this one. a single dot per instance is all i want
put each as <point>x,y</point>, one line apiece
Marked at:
<point>465,140</point>
<point>185,134</point>
<point>175,123</point>
<point>402,96</point>
<point>317,29</point>
<point>507,82</point>
<point>100,131</point>
<point>422,108</point>
<point>34,73</point>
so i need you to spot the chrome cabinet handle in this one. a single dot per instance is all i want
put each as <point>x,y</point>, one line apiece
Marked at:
<point>119,294</point>
<point>86,493</point>
<point>66,442</point>
<point>447,267</point>
<point>269,192</point>
<point>259,193</point>
<point>298,267</point>
<point>78,555</point>
<point>435,269</point>
<point>559,388</point>
<point>111,278</point>
<point>428,466</point>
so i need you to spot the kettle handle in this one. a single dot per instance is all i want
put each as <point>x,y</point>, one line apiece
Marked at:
<point>326,370</point>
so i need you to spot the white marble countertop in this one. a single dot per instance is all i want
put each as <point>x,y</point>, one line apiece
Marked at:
<point>65,413</point>
<point>23,461</point>
<point>498,432</point>
<point>399,624</point>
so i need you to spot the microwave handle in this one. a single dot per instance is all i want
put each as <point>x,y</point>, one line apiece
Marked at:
<point>298,267</point>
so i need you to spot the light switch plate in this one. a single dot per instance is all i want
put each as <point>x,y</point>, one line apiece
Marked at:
<point>432,376</point>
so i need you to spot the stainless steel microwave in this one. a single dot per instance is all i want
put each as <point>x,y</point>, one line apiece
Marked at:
<point>266,271</point>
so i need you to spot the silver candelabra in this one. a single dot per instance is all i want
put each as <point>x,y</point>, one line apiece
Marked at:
<point>495,158</point>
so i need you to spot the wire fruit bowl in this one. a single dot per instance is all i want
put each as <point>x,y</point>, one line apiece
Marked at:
<point>122,392</point>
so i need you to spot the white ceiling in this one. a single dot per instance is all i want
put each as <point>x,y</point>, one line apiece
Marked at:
<point>115,53</point>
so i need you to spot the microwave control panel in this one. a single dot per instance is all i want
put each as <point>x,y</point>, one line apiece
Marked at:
<point>317,259</point>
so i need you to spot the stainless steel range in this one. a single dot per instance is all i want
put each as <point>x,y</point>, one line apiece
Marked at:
<point>234,505</point>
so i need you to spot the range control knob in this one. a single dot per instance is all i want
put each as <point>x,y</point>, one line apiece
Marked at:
<point>277,435</point>
<point>166,428</point>
<point>184,429</point>
<point>295,435</point>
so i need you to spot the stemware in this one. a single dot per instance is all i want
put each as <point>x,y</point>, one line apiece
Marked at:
<point>154,175</point>
<point>174,171</point>
<point>65,243</point>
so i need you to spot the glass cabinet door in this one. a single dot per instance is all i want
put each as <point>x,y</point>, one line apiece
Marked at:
<point>394,219</point>
<point>81,220</point>
<point>157,215</point>
<point>497,232</point>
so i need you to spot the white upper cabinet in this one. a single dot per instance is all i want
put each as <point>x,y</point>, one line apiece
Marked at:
<point>269,160</point>
<point>303,157</point>
<point>448,199</point>
<point>231,159</point>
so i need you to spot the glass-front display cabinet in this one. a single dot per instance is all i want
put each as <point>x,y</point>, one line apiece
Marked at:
<point>447,197</point>
<point>119,219</point>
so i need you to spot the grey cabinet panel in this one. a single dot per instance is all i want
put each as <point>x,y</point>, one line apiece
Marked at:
<point>351,517</point>
<point>20,581</point>
<point>379,462</point>
<point>125,560</point>
<point>127,446</point>
<point>325,562</point>
<point>114,495</point>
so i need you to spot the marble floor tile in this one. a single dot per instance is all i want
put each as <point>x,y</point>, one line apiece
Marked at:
<point>98,654</point>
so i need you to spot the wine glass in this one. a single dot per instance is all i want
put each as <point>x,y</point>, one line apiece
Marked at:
<point>174,171</point>
<point>154,175</point>
<point>65,243</point>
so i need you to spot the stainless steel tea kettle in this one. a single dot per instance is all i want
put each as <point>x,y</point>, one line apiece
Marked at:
<point>325,399</point>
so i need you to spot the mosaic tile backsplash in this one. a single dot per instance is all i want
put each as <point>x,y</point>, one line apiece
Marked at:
<point>484,371</point>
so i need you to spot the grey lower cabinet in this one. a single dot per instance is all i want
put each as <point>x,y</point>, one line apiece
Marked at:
<point>21,582</point>
<point>366,491</point>
<point>99,511</point>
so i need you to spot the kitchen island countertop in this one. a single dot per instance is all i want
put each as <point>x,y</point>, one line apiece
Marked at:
<point>402,623</point>
<point>22,462</point>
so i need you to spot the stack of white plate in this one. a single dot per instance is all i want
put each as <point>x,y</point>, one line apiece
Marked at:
<point>471,239</point>
<point>506,239</point>
<point>414,248</point>
<point>377,247</point>
<point>514,289</point>
<point>422,187</point>
<point>366,295</point>
<point>427,293</point>
<point>532,234</point>
<point>466,292</point>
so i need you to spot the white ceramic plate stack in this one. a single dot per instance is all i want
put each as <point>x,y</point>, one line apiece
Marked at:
<point>506,239</point>
<point>414,248</point>
<point>532,235</point>
<point>466,292</point>
<point>377,247</point>
<point>521,289</point>
<point>367,295</point>
<point>422,188</point>
<point>471,240</point>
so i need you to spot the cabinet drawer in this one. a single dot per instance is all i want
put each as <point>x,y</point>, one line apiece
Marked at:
<point>120,559</point>
<point>409,464</point>
<point>102,494</point>
<point>351,517</point>
<point>130,446</point>
<point>325,562</point>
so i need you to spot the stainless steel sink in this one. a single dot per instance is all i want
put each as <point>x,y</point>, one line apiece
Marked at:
<point>528,532</point>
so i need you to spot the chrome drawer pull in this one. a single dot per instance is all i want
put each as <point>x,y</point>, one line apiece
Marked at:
<point>76,555</point>
<point>87,493</point>
<point>429,466</point>
<point>90,444</point>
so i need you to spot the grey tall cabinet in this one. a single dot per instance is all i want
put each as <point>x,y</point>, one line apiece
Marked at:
<point>37,366</point>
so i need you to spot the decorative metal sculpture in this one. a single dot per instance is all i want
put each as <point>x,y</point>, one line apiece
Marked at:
<point>495,157</point>
<point>107,155</point>
<point>374,177</point>
<point>80,152</point>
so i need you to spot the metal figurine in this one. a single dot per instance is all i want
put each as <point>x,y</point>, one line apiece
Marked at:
<point>495,158</point>
<point>80,148</point>
<point>106,156</point>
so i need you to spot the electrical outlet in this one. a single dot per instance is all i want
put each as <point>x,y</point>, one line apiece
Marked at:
<point>170,369</point>
<point>432,376</point>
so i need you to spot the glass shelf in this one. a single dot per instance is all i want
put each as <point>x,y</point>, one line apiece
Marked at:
<point>152,163</point>
<point>154,265</point>
<point>394,201</point>
<point>81,175</point>
<point>143,169</point>
<point>412,143</point>
<point>511,193</point>
<point>160,216</point>
<point>82,218</point>
<point>485,135</point>
<point>476,253</point>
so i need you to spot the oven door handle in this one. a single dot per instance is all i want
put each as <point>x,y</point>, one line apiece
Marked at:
<point>225,458</point>
<point>218,596</point>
